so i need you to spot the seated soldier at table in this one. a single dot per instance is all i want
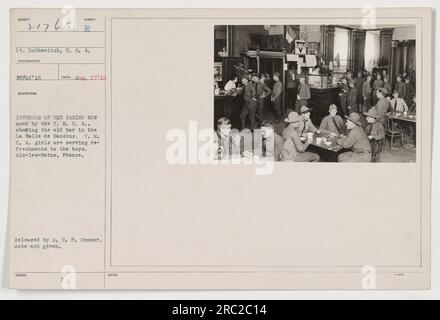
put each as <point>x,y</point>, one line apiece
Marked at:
<point>293,148</point>
<point>398,104</point>
<point>271,143</point>
<point>306,124</point>
<point>375,131</point>
<point>222,138</point>
<point>333,123</point>
<point>357,141</point>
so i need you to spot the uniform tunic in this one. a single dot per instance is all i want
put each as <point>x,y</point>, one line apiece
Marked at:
<point>295,150</point>
<point>304,96</point>
<point>352,100</point>
<point>376,130</point>
<point>276,97</point>
<point>332,124</point>
<point>401,89</point>
<point>383,106</point>
<point>357,141</point>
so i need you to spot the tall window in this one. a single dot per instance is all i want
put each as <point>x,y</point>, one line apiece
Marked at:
<point>372,49</point>
<point>342,38</point>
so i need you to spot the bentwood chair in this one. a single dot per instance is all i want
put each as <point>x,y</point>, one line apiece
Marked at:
<point>393,132</point>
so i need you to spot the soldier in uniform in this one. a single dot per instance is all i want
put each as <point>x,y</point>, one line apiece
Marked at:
<point>343,96</point>
<point>271,143</point>
<point>294,149</point>
<point>332,123</point>
<point>352,97</point>
<point>357,141</point>
<point>250,104</point>
<point>366,94</point>
<point>303,94</point>
<point>410,91</point>
<point>306,125</point>
<point>277,97</point>
<point>359,84</point>
<point>262,92</point>
<point>375,132</point>
<point>383,105</point>
<point>400,87</point>
<point>378,84</point>
<point>222,138</point>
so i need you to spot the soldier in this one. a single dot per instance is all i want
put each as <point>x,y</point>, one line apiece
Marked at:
<point>383,105</point>
<point>271,144</point>
<point>250,104</point>
<point>293,148</point>
<point>410,91</point>
<point>359,85</point>
<point>366,94</point>
<point>303,95</point>
<point>343,96</point>
<point>262,92</point>
<point>222,138</point>
<point>277,97</point>
<point>400,87</point>
<point>306,125</point>
<point>357,141</point>
<point>398,104</point>
<point>352,97</point>
<point>378,84</point>
<point>375,132</point>
<point>332,123</point>
<point>387,84</point>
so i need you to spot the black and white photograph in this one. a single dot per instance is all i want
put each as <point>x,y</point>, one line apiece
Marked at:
<point>317,93</point>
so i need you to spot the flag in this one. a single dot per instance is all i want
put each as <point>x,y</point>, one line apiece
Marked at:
<point>290,34</point>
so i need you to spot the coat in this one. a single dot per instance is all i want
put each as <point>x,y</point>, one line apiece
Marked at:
<point>357,141</point>
<point>352,98</point>
<point>383,106</point>
<point>328,125</point>
<point>376,130</point>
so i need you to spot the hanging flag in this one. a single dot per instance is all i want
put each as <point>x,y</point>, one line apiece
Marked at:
<point>290,34</point>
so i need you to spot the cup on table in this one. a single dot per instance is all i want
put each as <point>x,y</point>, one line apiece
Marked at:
<point>405,114</point>
<point>318,140</point>
<point>310,136</point>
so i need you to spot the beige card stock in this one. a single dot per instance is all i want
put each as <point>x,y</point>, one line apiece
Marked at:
<point>99,99</point>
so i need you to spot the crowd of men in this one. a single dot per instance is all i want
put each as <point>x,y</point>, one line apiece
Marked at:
<point>286,140</point>
<point>360,93</point>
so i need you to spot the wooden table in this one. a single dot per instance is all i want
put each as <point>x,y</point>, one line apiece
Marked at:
<point>399,116</point>
<point>329,151</point>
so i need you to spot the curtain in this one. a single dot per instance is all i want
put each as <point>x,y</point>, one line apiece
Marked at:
<point>372,49</point>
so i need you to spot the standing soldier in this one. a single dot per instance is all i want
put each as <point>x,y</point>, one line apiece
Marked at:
<point>276,97</point>
<point>366,94</point>
<point>352,98</point>
<point>387,85</point>
<point>400,87</point>
<point>359,84</point>
<point>378,83</point>
<point>303,95</point>
<point>343,96</point>
<point>410,91</point>
<point>383,105</point>
<point>250,104</point>
<point>262,92</point>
